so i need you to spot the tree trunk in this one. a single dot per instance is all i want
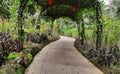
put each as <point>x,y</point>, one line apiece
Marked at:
<point>20,22</point>
<point>2,23</point>
<point>52,27</point>
<point>78,28</point>
<point>83,32</point>
<point>99,26</point>
<point>38,21</point>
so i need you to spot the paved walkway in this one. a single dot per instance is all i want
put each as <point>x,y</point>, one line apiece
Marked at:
<point>61,57</point>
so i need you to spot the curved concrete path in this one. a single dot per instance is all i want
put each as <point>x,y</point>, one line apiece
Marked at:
<point>61,57</point>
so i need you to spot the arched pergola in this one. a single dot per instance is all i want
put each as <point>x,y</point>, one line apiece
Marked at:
<point>66,8</point>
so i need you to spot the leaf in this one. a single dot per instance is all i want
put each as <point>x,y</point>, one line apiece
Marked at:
<point>12,55</point>
<point>18,72</point>
<point>12,9</point>
<point>17,1</point>
<point>29,56</point>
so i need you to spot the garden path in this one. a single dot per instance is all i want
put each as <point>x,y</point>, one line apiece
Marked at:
<point>61,57</point>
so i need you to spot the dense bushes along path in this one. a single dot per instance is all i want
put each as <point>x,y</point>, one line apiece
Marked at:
<point>61,57</point>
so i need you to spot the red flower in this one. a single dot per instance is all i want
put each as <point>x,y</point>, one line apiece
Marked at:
<point>73,9</point>
<point>46,27</point>
<point>50,2</point>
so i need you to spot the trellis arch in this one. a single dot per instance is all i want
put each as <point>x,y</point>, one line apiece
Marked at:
<point>69,8</point>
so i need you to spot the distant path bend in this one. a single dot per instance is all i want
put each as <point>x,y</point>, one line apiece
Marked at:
<point>61,57</point>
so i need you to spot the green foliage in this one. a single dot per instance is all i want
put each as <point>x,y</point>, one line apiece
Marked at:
<point>72,32</point>
<point>4,9</point>
<point>12,55</point>
<point>83,11</point>
<point>14,36</point>
<point>57,11</point>
<point>7,70</point>
<point>66,26</point>
<point>19,72</point>
<point>29,55</point>
<point>111,31</point>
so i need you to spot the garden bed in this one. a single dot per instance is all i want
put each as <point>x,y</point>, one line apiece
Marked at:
<point>112,69</point>
<point>17,62</point>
